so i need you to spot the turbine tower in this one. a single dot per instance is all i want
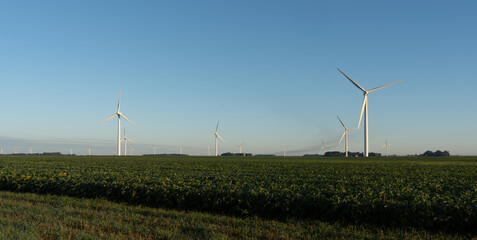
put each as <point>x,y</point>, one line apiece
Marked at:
<point>345,134</point>
<point>216,134</point>
<point>364,109</point>
<point>119,114</point>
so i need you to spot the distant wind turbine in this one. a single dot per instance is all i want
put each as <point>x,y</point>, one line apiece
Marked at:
<point>323,148</point>
<point>132,149</point>
<point>208,150</point>
<point>216,134</point>
<point>284,150</point>
<point>364,109</point>
<point>240,147</point>
<point>125,140</point>
<point>345,134</point>
<point>386,145</point>
<point>119,114</point>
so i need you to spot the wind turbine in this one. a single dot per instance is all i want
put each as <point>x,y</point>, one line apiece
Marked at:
<point>216,134</point>
<point>364,109</point>
<point>125,139</point>
<point>119,114</point>
<point>387,146</point>
<point>345,134</point>
<point>131,149</point>
<point>323,148</point>
<point>284,150</point>
<point>240,147</point>
<point>208,150</point>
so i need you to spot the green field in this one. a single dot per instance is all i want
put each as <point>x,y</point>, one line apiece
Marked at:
<point>34,216</point>
<point>434,194</point>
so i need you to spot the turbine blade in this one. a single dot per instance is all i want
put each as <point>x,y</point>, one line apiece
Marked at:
<point>107,118</point>
<point>356,84</point>
<point>374,89</point>
<point>220,138</point>
<point>129,139</point>
<point>119,100</point>
<point>216,128</point>
<point>120,114</point>
<point>344,133</point>
<point>341,122</point>
<point>210,135</point>
<point>362,109</point>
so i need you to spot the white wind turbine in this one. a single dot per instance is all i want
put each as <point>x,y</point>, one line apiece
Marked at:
<point>131,151</point>
<point>125,140</point>
<point>240,147</point>
<point>387,146</point>
<point>323,148</point>
<point>216,134</point>
<point>364,109</point>
<point>119,114</point>
<point>345,134</point>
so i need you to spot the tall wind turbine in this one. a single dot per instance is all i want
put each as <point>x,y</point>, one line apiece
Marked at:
<point>345,134</point>
<point>125,140</point>
<point>216,134</point>
<point>364,109</point>
<point>119,114</point>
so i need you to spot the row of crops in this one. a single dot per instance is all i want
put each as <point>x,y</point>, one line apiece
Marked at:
<point>429,193</point>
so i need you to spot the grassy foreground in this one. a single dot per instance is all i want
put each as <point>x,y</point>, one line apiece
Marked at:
<point>32,216</point>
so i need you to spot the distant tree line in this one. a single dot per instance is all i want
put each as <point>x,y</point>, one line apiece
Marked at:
<point>437,153</point>
<point>228,154</point>
<point>167,155</point>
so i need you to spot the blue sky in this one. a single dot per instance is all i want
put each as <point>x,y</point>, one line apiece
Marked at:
<point>265,69</point>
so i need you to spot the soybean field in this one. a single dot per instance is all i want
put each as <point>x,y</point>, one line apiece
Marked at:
<point>400,192</point>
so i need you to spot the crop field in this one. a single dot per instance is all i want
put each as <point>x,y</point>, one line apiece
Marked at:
<point>423,193</point>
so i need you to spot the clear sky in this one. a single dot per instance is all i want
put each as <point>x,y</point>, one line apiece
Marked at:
<point>265,69</point>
